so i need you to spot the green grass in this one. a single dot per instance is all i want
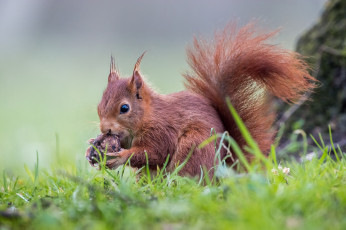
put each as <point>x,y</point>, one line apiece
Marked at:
<point>312,196</point>
<point>74,196</point>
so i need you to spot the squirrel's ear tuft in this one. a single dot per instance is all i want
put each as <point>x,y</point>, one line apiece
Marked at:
<point>136,80</point>
<point>113,73</point>
<point>138,62</point>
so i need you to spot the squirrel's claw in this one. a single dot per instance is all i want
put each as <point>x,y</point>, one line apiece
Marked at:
<point>112,154</point>
<point>116,161</point>
<point>91,141</point>
<point>113,163</point>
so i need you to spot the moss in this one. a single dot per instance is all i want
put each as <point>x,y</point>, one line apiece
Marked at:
<point>324,46</point>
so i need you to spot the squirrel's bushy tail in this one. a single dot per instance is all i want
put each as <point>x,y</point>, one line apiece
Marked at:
<point>241,65</point>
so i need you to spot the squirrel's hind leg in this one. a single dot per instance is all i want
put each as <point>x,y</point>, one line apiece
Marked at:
<point>200,157</point>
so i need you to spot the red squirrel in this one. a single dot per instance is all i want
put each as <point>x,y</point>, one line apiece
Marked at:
<point>238,64</point>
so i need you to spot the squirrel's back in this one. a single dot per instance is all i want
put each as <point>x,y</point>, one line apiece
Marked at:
<point>240,65</point>
<point>186,108</point>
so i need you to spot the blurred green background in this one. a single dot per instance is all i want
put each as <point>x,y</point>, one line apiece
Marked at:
<point>54,60</point>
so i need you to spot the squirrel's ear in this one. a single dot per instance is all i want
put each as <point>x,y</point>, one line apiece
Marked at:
<point>136,80</point>
<point>113,73</point>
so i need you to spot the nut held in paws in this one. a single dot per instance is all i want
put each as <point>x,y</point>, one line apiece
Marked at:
<point>101,142</point>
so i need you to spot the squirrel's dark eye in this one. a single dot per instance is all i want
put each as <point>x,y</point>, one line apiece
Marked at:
<point>124,108</point>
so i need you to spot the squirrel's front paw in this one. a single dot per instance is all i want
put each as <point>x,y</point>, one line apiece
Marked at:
<point>114,160</point>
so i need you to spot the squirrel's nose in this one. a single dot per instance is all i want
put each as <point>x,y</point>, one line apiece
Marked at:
<point>105,129</point>
<point>110,127</point>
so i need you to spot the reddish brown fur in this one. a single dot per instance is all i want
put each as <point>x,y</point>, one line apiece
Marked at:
<point>231,65</point>
<point>238,65</point>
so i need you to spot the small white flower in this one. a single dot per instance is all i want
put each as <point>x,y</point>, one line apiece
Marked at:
<point>275,172</point>
<point>206,191</point>
<point>280,167</point>
<point>286,170</point>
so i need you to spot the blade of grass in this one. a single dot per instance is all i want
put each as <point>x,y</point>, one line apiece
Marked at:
<point>305,141</point>
<point>57,148</point>
<point>206,176</point>
<point>324,155</point>
<point>201,177</point>
<point>321,139</point>
<point>147,168</point>
<point>318,145</point>
<point>340,152</point>
<point>332,144</point>
<point>29,173</point>
<point>279,134</point>
<point>21,196</point>
<point>36,168</point>
<point>247,136</point>
<point>273,155</point>
<point>213,132</point>
<point>103,160</point>
<point>5,180</point>
<point>239,154</point>
<point>124,166</point>
<point>208,141</point>
<point>218,151</point>
<point>163,168</point>
<point>15,183</point>
<point>180,167</point>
